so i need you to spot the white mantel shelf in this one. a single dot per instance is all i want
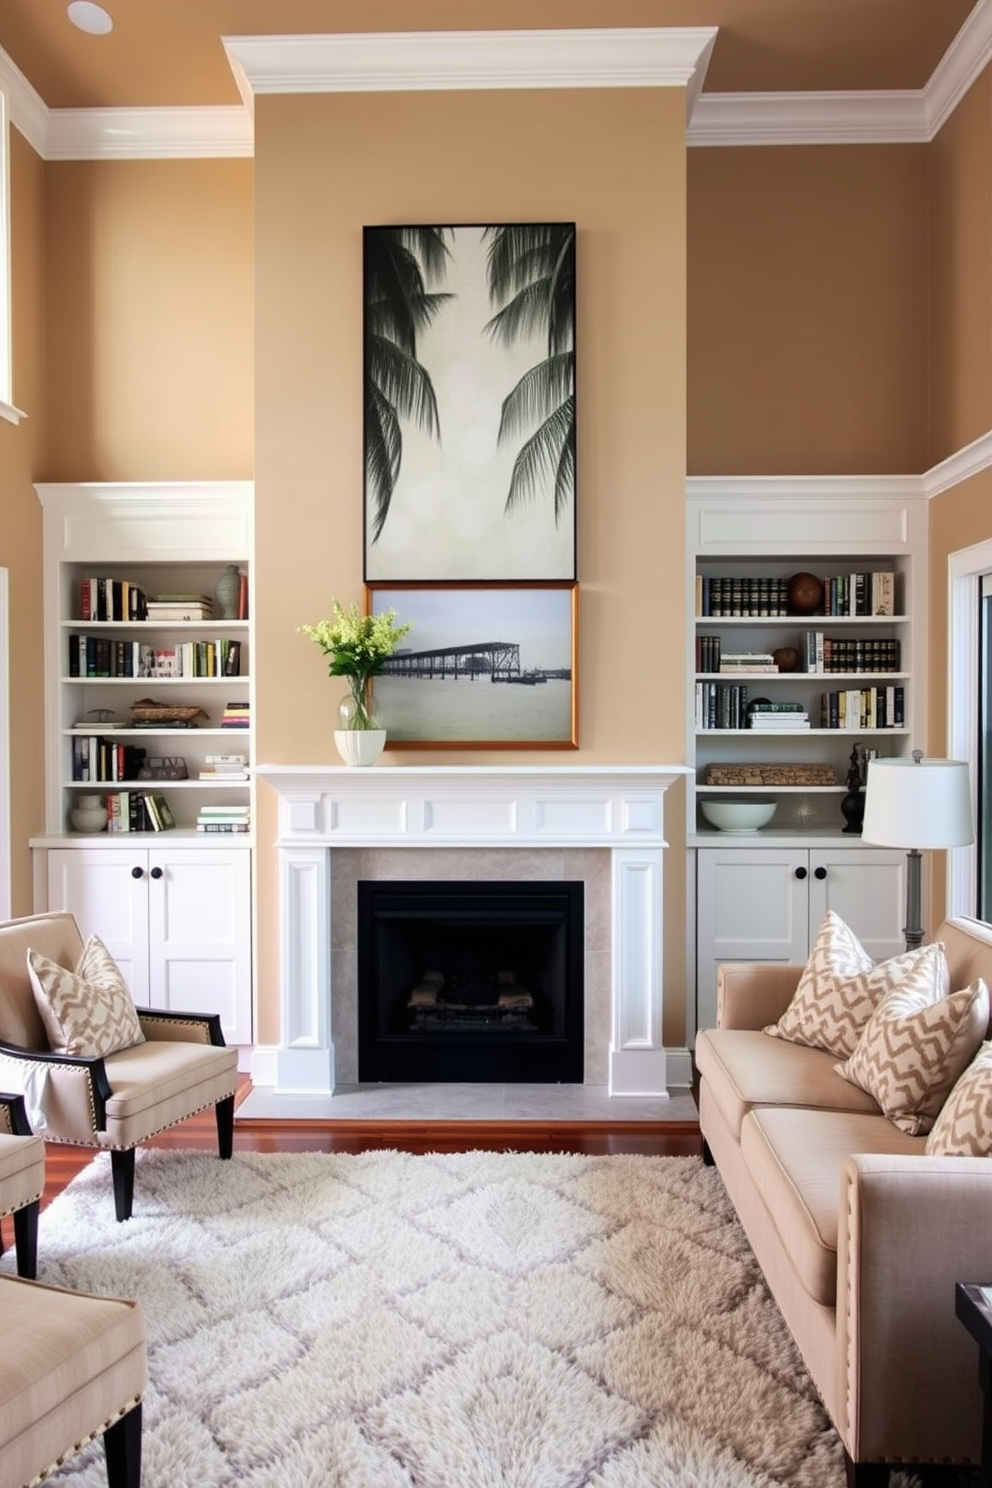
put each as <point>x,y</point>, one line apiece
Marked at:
<point>616,807</point>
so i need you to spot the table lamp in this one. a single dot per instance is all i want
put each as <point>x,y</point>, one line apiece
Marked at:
<point>917,804</point>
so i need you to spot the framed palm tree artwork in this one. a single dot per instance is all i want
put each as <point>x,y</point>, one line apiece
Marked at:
<point>469,403</point>
<point>489,666</point>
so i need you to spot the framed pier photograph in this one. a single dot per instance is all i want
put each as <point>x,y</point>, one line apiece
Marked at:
<point>486,666</point>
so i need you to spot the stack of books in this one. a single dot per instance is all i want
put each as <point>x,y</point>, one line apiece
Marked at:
<point>777,717</point>
<point>179,607</point>
<point>225,767</point>
<point>224,819</point>
<point>236,715</point>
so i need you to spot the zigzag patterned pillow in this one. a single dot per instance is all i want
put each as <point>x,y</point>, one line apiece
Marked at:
<point>88,1011</point>
<point>964,1126</point>
<point>841,987</point>
<point>913,1049</point>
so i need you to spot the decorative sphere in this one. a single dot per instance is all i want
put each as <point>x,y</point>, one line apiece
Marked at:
<point>786,658</point>
<point>804,593</point>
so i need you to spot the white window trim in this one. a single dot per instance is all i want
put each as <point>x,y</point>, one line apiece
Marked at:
<point>964,580</point>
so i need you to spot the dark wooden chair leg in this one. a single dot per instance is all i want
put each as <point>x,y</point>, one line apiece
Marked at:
<point>225,1126</point>
<point>26,1239</point>
<point>867,1474</point>
<point>707,1155</point>
<point>122,1168</point>
<point>122,1449</point>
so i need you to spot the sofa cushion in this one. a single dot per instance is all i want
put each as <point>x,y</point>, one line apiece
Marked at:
<point>841,986</point>
<point>964,1125</point>
<point>913,1049</point>
<point>744,1068</point>
<point>87,1011</point>
<point>795,1159</point>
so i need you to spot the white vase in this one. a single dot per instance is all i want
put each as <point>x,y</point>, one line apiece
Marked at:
<point>89,814</point>
<point>360,746</point>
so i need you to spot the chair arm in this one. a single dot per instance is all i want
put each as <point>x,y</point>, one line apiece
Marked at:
<point>13,1114</point>
<point>752,994</point>
<point>910,1228</point>
<point>28,1063</point>
<point>163,1025</point>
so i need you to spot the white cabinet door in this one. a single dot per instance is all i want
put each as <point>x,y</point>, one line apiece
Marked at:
<point>107,892</point>
<point>176,920</point>
<point>199,919</point>
<point>867,888</point>
<point>753,905</point>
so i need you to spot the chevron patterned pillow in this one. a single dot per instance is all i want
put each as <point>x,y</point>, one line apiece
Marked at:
<point>841,987</point>
<point>913,1049</point>
<point>88,1011</point>
<point>964,1126</point>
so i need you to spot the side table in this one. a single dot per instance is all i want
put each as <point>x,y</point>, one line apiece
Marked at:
<point>973,1307</point>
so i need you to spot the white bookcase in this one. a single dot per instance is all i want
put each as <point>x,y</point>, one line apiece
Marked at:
<point>761,896</point>
<point>164,538</point>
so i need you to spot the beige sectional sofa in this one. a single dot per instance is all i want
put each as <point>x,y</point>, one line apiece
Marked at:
<point>860,1235</point>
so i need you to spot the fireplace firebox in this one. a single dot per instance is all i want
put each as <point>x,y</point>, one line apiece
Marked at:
<point>470,981</point>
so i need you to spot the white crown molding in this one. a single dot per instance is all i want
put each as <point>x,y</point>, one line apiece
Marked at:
<point>799,489</point>
<point>149,133</point>
<point>578,58</point>
<point>626,57</point>
<point>971,460</point>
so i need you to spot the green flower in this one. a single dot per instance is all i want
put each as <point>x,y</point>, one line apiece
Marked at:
<point>357,647</point>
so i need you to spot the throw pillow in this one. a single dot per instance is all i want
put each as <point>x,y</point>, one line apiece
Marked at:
<point>913,1049</point>
<point>964,1126</point>
<point>87,1011</point>
<point>841,987</point>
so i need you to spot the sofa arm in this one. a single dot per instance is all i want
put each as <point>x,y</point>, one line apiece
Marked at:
<point>752,994</point>
<point>910,1228</point>
<point>65,1095</point>
<point>162,1025</point>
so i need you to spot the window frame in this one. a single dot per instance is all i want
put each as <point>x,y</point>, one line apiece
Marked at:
<point>965,571</point>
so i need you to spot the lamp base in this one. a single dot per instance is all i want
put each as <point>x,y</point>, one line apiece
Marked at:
<point>913,929</point>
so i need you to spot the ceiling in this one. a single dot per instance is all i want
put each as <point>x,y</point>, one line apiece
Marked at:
<point>170,53</point>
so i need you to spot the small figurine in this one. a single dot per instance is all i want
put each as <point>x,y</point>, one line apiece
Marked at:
<point>853,804</point>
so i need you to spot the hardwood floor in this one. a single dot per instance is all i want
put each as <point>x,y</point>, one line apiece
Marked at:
<point>662,1139</point>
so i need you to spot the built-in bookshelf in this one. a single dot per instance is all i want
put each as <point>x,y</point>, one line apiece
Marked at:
<point>790,676</point>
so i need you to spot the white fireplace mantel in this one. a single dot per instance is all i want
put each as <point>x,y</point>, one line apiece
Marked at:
<point>617,807</point>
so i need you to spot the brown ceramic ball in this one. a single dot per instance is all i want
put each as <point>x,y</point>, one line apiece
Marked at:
<point>786,658</point>
<point>804,594</point>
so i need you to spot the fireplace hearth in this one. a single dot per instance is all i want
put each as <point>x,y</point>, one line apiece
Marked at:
<point>478,982</point>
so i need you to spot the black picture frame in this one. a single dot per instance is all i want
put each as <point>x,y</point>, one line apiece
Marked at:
<point>469,433</point>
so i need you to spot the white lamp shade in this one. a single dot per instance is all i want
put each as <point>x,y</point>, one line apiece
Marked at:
<point>918,803</point>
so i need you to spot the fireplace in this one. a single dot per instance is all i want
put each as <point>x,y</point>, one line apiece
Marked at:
<point>478,813</point>
<point>470,981</point>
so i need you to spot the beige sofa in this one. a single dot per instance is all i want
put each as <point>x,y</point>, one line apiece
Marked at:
<point>861,1236</point>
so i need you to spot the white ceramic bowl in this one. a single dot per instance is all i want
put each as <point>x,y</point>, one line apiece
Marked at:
<point>738,816</point>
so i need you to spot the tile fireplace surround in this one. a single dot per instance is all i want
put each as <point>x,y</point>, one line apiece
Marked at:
<point>323,810</point>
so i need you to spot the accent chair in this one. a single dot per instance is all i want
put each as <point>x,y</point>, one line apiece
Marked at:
<point>22,1179</point>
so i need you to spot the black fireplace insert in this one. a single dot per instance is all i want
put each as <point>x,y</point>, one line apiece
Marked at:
<point>470,981</point>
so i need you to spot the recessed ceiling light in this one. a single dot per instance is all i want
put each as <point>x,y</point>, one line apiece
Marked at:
<point>90,17</point>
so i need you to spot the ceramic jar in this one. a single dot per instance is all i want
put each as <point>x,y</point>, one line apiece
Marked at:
<point>89,814</point>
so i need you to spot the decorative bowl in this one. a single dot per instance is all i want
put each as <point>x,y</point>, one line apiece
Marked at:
<point>804,594</point>
<point>738,816</point>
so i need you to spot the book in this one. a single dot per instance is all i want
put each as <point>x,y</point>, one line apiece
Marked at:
<point>230,827</point>
<point>158,809</point>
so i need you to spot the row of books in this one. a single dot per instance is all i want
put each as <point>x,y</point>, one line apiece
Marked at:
<point>711,657</point>
<point>111,599</point>
<point>721,706</point>
<point>826,653</point>
<point>99,759</point>
<point>231,819</point>
<point>863,708</point>
<point>863,593</point>
<point>101,656</point>
<point>137,811</point>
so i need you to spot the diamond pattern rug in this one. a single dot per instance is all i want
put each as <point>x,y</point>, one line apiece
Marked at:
<point>474,1320</point>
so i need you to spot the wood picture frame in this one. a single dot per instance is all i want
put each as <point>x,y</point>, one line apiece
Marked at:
<point>469,403</point>
<point>484,666</point>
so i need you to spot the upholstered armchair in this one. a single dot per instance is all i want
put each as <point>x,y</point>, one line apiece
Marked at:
<point>93,1070</point>
<point>22,1179</point>
<point>72,1366</point>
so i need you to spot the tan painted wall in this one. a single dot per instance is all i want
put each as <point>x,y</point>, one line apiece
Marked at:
<point>807,310</point>
<point>150,366</point>
<point>960,186</point>
<point>614,162</point>
<point>21,448</point>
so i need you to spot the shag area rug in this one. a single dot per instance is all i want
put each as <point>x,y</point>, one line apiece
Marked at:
<point>477,1320</point>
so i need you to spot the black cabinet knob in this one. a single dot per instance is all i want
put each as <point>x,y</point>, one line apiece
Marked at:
<point>800,872</point>
<point>156,873</point>
<point>137,872</point>
<point>819,872</point>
